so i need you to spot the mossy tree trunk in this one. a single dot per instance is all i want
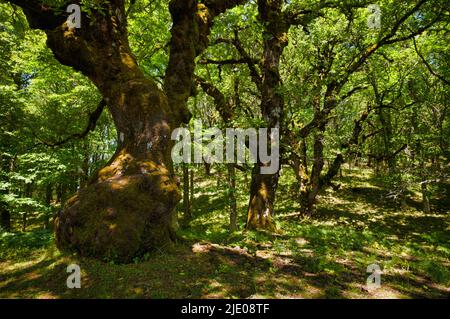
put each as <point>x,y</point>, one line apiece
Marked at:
<point>127,207</point>
<point>263,187</point>
<point>232,196</point>
<point>186,198</point>
<point>191,187</point>
<point>48,201</point>
<point>425,197</point>
<point>309,192</point>
<point>312,184</point>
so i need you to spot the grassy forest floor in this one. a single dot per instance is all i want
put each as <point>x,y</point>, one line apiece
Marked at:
<point>322,257</point>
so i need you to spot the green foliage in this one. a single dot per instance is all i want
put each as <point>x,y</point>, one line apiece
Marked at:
<point>19,246</point>
<point>404,141</point>
<point>43,102</point>
<point>324,257</point>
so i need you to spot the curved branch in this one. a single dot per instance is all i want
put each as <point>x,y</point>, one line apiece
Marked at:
<point>222,105</point>
<point>440,77</point>
<point>93,119</point>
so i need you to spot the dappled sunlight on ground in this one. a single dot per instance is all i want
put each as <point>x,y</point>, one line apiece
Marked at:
<point>325,256</point>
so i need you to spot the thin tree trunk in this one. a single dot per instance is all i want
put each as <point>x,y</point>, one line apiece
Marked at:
<point>304,154</point>
<point>192,188</point>
<point>186,203</point>
<point>207,168</point>
<point>232,196</point>
<point>5,218</point>
<point>28,193</point>
<point>311,190</point>
<point>424,186</point>
<point>48,200</point>
<point>61,193</point>
<point>24,221</point>
<point>425,199</point>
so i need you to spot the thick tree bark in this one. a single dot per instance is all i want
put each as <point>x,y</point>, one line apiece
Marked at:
<point>186,198</point>
<point>127,207</point>
<point>232,196</point>
<point>309,192</point>
<point>191,188</point>
<point>111,216</point>
<point>263,187</point>
<point>262,199</point>
<point>28,192</point>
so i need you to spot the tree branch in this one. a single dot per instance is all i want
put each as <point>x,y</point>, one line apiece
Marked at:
<point>224,62</point>
<point>251,63</point>
<point>93,119</point>
<point>41,16</point>
<point>388,39</point>
<point>440,77</point>
<point>222,105</point>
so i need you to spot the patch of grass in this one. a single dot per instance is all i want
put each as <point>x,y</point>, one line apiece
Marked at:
<point>436,271</point>
<point>19,246</point>
<point>325,256</point>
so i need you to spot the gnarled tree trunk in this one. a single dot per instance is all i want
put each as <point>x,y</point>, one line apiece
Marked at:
<point>263,187</point>
<point>232,196</point>
<point>262,198</point>
<point>127,207</point>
